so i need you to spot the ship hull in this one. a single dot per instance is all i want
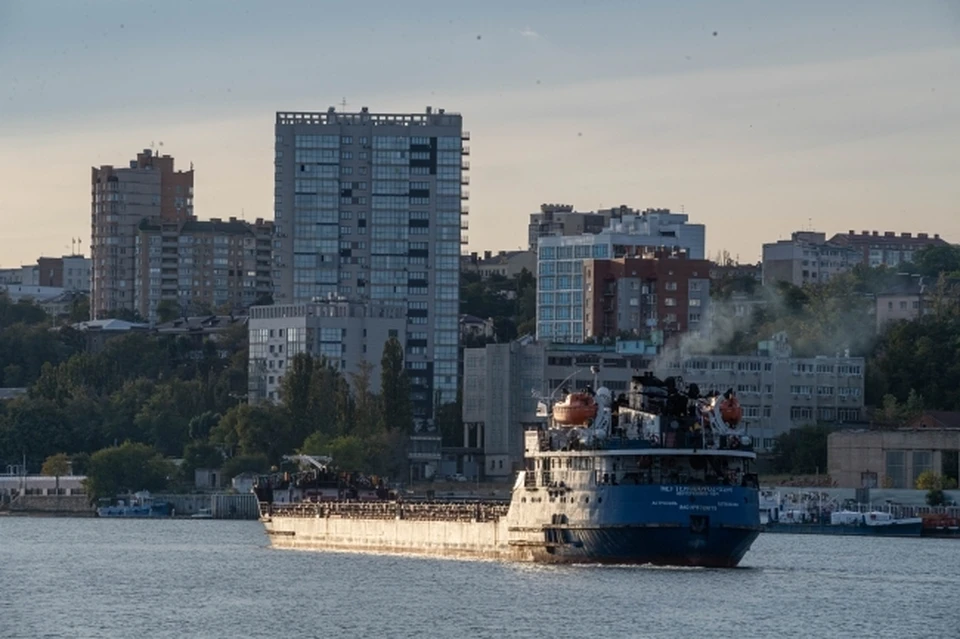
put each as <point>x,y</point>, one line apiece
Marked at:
<point>722,548</point>
<point>673,545</point>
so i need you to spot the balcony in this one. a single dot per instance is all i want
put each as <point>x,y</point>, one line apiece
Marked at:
<point>464,209</point>
<point>464,239</point>
<point>464,225</point>
<point>465,135</point>
<point>465,150</point>
<point>464,180</point>
<point>464,166</point>
<point>464,195</point>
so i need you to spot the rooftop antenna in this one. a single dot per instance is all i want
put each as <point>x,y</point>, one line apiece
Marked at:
<point>343,103</point>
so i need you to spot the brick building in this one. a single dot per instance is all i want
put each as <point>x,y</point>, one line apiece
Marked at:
<point>657,292</point>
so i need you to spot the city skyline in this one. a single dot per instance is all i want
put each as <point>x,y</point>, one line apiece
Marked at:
<point>755,121</point>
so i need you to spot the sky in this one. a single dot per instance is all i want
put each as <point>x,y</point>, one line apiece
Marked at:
<point>755,118</point>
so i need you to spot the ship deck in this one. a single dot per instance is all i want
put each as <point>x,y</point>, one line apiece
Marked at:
<point>467,511</point>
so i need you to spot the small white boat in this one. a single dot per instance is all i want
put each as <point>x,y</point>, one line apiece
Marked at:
<point>203,513</point>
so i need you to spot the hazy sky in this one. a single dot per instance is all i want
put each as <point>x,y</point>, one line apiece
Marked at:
<point>756,118</point>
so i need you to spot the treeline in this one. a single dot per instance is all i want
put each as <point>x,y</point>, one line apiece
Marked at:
<point>147,398</point>
<point>510,302</point>
<point>139,388</point>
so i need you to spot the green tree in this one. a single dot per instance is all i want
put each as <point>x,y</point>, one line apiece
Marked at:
<point>934,260</point>
<point>167,311</point>
<point>368,414</point>
<point>125,469</point>
<point>166,415</point>
<point>244,464</point>
<point>395,388</point>
<point>348,452</point>
<point>199,455</point>
<point>201,425</point>
<point>929,480</point>
<point>258,429</point>
<point>79,309</point>
<point>801,450</point>
<point>56,466</point>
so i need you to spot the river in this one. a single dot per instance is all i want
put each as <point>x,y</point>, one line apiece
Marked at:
<point>112,579</point>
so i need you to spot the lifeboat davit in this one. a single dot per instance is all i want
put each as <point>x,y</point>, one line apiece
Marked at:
<point>577,408</point>
<point>730,411</point>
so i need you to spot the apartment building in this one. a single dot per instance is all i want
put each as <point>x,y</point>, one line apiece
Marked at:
<point>657,294</point>
<point>202,266</point>
<point>371,206</point>
<point>70,273</point>
<point>345,332</point>
<point>807,258</point>
<point>562,219</point>
<point>560,301</point>
<point>887,248</point>
<point>149,188</point>
<point>508,264</point>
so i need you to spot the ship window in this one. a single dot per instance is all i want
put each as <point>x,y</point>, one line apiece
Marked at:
<point>586,500</point>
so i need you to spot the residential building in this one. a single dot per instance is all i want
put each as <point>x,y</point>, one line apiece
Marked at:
<point>70,272</point>
<point>560,308</point>
<point>202,266</point>
<point>508,264</point>
<point>149,188</point>
<point>96,333</point>
<point>735,270</point>
<point>369,206</point>
<point>656,293</point>
<point>35,293</point>
<point>914,296</point>
<point>777,391</point>
<point>11,275</point>
<point>345,332</point>
<point>807,258</point>
<point>561,219</point>
<point>889,249</point>
<point>475,327</point>
<point>895,458</point>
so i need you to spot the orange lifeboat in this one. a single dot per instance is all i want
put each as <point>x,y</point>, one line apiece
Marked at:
<point>576,408</point>
<point>730,411</point>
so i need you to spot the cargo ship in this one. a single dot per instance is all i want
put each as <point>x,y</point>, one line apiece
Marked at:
<point>661,475</point>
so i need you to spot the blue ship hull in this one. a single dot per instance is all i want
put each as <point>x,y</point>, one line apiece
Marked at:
<point>710,526</point>
<point>717,548</point>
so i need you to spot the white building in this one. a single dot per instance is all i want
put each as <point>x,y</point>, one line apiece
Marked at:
<point>345,333</point>
<point>560,264</point>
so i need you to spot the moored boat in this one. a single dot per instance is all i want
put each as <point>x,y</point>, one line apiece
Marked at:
<point>662,476</point>
<point>140,506</point>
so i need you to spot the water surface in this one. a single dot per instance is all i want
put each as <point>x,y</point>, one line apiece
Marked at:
<point>93,579</point>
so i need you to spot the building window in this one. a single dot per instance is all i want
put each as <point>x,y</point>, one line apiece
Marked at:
<point>896,471</point>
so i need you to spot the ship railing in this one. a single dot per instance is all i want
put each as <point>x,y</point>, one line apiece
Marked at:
<point>412,511</point>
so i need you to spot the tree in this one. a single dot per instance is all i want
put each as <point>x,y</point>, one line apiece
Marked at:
<point>56,466</point>
<point>369,418</point>
<point>167,311</point>
<point>125,469</point>
<point>244,464</point>
<point>801,450</point>
<point>929,480</point>
<point>199,455</point>
<point>931,261</point>
<point>258,429</point>
<point>395,388</point>
<point>201,425</point>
